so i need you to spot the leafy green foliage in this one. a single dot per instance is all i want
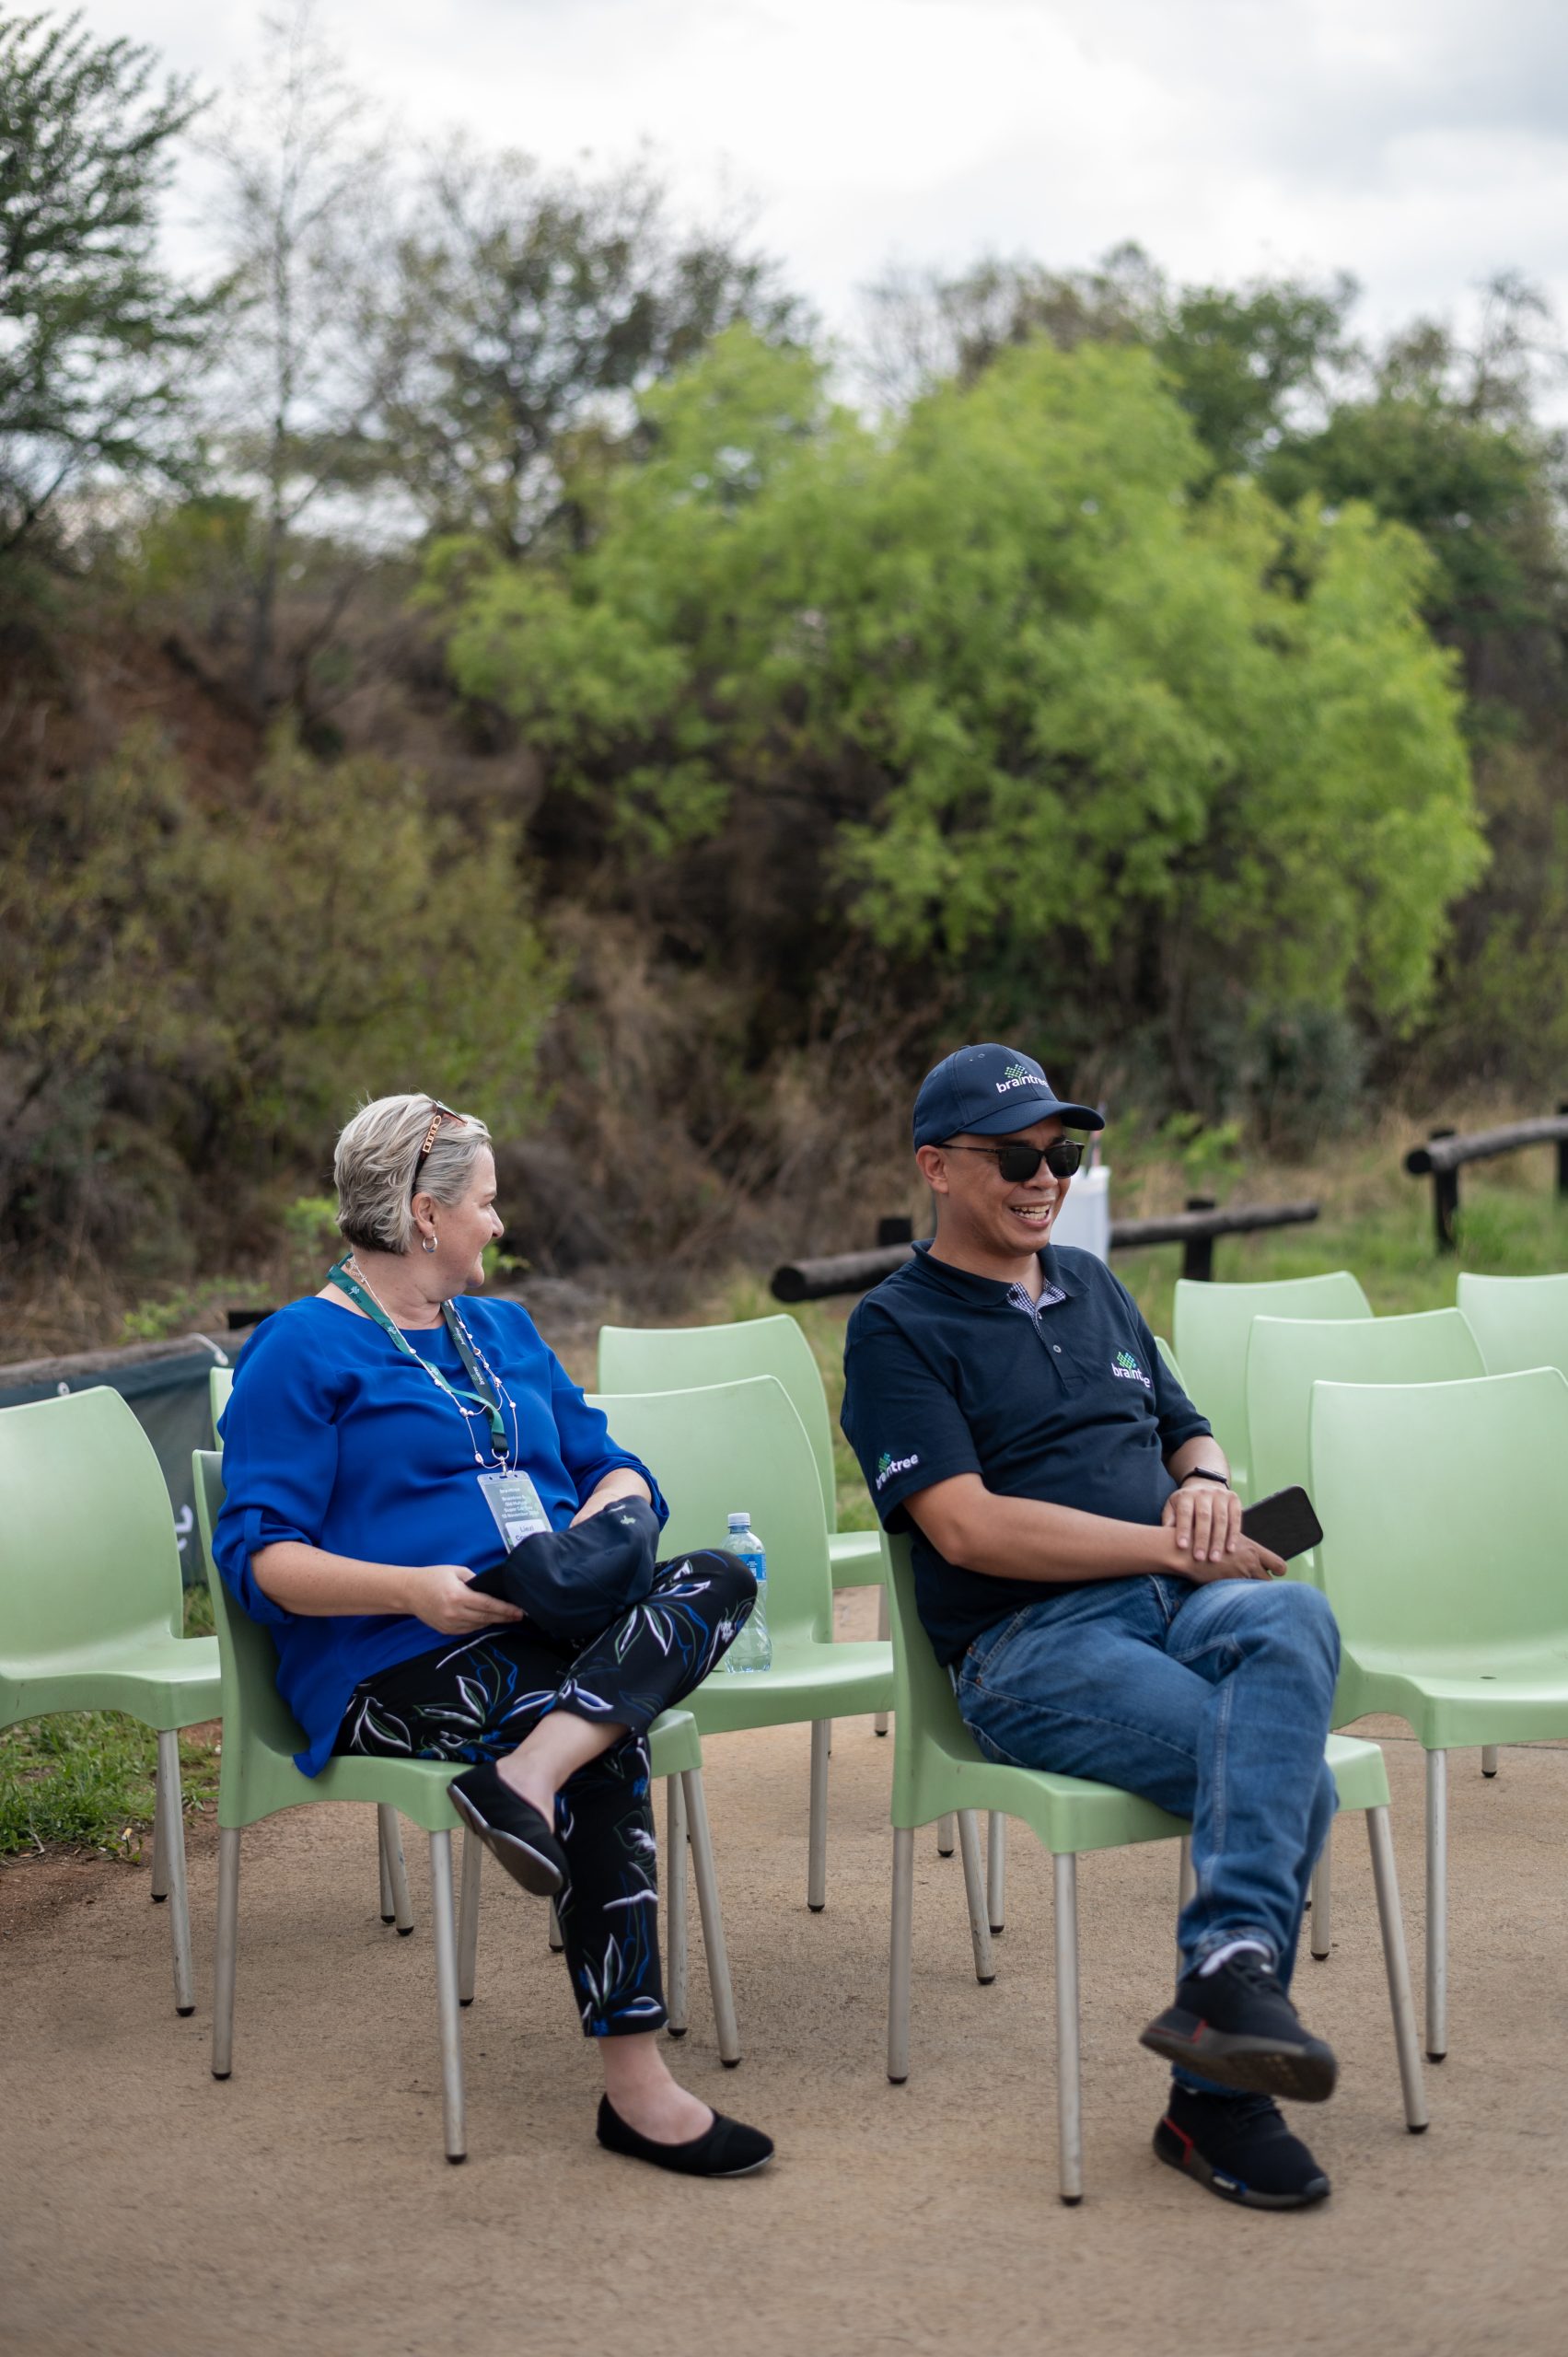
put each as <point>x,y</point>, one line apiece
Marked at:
<point>92,331</point>
<point>195,996</point>
<point>1067,716</point>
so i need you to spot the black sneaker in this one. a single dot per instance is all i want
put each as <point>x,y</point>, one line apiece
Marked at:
<point>510,1828</point>
<point>1238,2026</point>
<point>1240,2148</point>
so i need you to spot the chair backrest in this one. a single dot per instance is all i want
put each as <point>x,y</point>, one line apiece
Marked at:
<point>684,1358</point>
<point>1444,1507</point>
<point>220,1382</point>
<point>1210,1329</point>
<point>254,1713</point>
<point>728,1447</point>
<point>1169,1355</point>
<point>1286,1355</point>
<point>88,1550</point>
<point>1519,1321</point>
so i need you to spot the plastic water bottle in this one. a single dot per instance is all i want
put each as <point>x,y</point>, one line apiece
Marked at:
<point>753,1648</point>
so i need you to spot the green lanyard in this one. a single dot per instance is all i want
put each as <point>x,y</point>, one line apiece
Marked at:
<point>483,1392</point>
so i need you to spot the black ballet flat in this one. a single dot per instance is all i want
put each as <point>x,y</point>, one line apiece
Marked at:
<point>510,1828</point>
<point>725,2148</point>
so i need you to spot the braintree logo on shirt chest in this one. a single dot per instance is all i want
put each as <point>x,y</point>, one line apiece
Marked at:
<point>888,1466</point>
<point>1017,1077</point>
<point>1126,1367</point>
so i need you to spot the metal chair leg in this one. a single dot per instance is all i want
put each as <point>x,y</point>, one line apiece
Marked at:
<point>467,1920</point>
<point>1323,1899</point>
<point>946,1837</point>
<point>1186,1880</point>
<point>674,1920</point>
<point>160,1836</point>
<point>884,1631</point>
<point>1436,1905</point>
<point>996,1869</point>
<point>1069,2067</point>
<point>228,1951</point>
<point>171,1803</point>
<point>397,1871</point>
<point>446,1996</point>
<point>817,1848</point>
<point>712,1920</point>
<point>389,1906</point>
<point>1390,1923</point>
<point>1489,1760</point>
<point>975,1891</point>
<point>899,1954</point>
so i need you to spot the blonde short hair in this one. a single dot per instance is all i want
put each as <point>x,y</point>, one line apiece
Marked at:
<point>375,1162</point>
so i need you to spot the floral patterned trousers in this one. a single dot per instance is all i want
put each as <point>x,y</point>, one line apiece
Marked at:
<point>476,1697</point>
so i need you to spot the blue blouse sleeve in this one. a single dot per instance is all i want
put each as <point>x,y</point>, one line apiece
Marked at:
<point>586,1450</point>
<point>280,1458</point>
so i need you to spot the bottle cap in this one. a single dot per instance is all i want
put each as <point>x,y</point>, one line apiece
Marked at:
<point>740,1522</point>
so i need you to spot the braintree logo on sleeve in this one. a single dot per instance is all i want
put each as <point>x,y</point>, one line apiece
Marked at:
<point>1017,1077</point>
<point>1126,1367</point>
<point>888,1466</point>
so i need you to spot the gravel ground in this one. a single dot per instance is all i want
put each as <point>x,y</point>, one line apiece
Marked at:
<point>304,2206</point>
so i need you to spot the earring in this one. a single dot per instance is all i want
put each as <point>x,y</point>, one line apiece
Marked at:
<point>427,1244</point>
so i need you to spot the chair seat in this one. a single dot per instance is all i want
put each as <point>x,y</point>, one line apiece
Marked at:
<point>1360,1773</point>
<point>1522,1698</point>
<point>163,1680</point>
<point>806,1681</point>
<point>857,1557</point>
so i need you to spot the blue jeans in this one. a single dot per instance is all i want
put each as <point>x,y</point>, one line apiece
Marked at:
<point>1214,1701</point>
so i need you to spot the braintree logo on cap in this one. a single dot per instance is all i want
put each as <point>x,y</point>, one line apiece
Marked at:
<point>1017,1075</point>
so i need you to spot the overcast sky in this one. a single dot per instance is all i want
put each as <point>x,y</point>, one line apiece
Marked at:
<point>1420,144</point>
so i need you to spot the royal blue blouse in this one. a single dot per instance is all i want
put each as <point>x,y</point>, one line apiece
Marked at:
<point>332,1436</point>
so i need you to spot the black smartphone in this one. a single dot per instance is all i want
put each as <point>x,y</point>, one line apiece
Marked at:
<point>1285,1523</point>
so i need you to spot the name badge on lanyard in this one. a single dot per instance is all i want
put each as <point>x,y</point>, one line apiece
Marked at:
<point>514,1501</point>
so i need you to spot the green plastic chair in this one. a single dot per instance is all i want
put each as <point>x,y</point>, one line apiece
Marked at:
<point>1286,1355</point>
<point>937,1767</point>
<point>1444,1508</point>
<point>1519,1321</point>
<point>686,1358</point>
<point>91,1605</point>
<point>1210,1329</point>
<point>258,1779</point>
<point>220,1382</point>
<point>742,1445</point>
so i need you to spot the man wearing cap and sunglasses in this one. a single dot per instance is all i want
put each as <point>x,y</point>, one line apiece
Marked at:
<point>1081,1570</point>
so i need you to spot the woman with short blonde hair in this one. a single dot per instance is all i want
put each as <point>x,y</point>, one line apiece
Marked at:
<point>403,1462</point>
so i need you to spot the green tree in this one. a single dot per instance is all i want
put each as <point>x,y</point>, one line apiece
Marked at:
<point>522,305</point>
<point>1042,721</point>
<point>94,338</point>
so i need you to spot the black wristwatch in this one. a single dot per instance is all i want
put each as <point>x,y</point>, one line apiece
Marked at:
<point>1205,1473</point>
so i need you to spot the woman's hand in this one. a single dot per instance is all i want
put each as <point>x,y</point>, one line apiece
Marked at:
<point>1206,1519</point>
<point>442,1596</point>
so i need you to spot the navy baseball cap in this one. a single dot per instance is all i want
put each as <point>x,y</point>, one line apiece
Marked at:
<point>989,1091</point>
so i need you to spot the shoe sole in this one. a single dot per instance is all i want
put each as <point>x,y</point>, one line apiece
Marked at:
<point>645,2161</point>
<point>1189,2161</point>
<point>1255,2066</point>
<point>526,1864</point>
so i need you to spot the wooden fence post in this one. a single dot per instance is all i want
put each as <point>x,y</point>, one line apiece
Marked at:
<point>1198,1252</point>
<point>1446,1200</point>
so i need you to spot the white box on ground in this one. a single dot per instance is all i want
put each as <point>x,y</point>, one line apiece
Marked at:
<point>1084,1218</point>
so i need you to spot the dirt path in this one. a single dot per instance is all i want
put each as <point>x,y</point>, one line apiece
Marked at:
<point>304,2206</point>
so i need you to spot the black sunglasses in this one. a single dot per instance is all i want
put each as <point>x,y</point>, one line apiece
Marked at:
<point>1019,1162</point>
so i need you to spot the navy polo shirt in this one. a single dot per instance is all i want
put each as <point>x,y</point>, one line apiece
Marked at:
<point>1067,1400</point>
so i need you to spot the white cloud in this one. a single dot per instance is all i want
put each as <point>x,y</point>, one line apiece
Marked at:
<point>1421,143</point>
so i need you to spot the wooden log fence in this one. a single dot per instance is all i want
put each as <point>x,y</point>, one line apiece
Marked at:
<point>1194,1229</point>
<point>1445,1153</point>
